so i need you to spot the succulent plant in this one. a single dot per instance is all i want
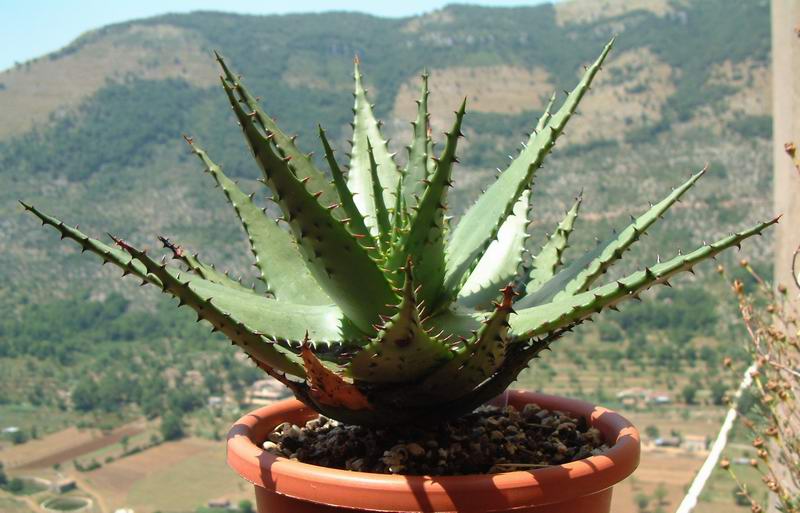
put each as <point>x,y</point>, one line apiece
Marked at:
<point>373,308</point>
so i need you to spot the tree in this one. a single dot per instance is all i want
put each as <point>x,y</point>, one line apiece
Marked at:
<point>171,426</point>
<point>213,382</point>
<point>85,396</point>
<point>124,441</point>
<point>709,355</point>
<point>245,506</point>
<point>718,392</point>
<point>652,431</point>
<point>112,392</point>
<point>3,476</point>
<point>18,437</point>
<point>151,401</point>
<point>689,393</point>
<point>184,400</point>
<point>660,494</point>
<point>15,485</point>
<point>609,332</point>
<point>600,393</point>
<point>642,501</point>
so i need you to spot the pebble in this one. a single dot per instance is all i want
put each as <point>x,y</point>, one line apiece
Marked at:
<point>415,449</point>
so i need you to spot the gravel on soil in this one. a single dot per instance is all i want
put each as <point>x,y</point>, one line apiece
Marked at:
<point>486,441</point>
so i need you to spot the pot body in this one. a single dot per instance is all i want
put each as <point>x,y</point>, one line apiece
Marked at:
<point>271,502</point>
<point>284,486</point>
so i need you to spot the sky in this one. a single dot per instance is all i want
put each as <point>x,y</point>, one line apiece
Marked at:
<point>32,28</point>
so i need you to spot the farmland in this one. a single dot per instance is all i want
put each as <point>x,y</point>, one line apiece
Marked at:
<point>181,476</point>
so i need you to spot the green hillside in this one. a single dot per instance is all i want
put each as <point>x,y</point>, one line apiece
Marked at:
<point>685,86</point>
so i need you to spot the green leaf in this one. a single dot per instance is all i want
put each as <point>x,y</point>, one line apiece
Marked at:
<point>381,212</point>
<point>430,163</point>
<point>549,258</point>
<point>109,254</point>
<point>424,243</point>
<point>403,351</point>
<point>456,321</point>
<point>343,268</point>
<point>400,220</point>
<point>416,170</point>
<point>570,310</point>
<point>359,180</point>
<point>474,362</point>
<point>205,271</point>
<point>544,119</point>
<point>283,269</point>
<point>499,265</point>
<point>303,165</point>
<point>579,275</point>
<point>247,319</point>
<point>479,225</point>
<point>614,248</point>
<point>355,221</point>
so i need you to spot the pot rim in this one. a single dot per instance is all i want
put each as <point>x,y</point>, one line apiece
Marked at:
<point>479,492</point>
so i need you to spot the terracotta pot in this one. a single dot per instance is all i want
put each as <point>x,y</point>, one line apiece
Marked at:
<point>284,486</point>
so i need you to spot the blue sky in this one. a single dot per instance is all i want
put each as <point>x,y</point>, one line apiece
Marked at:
<point>31,28</point>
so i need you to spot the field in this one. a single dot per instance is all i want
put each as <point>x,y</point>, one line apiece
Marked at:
<point>9,505</point>
<point>174,476</point>
<point>183,476</point>
<point>63,446</point>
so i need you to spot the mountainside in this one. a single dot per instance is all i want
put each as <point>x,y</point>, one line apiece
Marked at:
<point>91,133</point>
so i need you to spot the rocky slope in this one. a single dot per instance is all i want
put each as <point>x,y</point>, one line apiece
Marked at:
<point>92,132</point>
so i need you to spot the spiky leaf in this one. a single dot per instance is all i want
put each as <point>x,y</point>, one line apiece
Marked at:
<point>548,260</point>
<point>381,210</point>
<point>205,271</point>
<point>500,264</point>
<point>342,267</point>
<point>579,275</point>
<point>109,254</point>
<point>416,170</point>
<point>303,165</point>
<point>539,320</point>
<point>544,119</point>
<point>366,127</point>
<point>329,388</point>
<point>403,351</point>
<point>479,225</point>
<point>424,243</point>
<point>355,221</point>
<point>476,360</point>
<point>282,268</point>
<point>236,313</point>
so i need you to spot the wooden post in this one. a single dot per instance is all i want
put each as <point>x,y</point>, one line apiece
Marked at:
<point>786,130</point>
<point>786,165</point>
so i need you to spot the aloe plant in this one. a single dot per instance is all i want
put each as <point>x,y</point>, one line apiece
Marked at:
<point>375,310</point>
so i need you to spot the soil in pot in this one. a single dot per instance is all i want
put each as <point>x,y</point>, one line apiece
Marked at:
<point>489,440</point>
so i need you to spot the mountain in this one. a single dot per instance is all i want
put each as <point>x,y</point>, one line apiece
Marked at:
<point>92,133</point>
